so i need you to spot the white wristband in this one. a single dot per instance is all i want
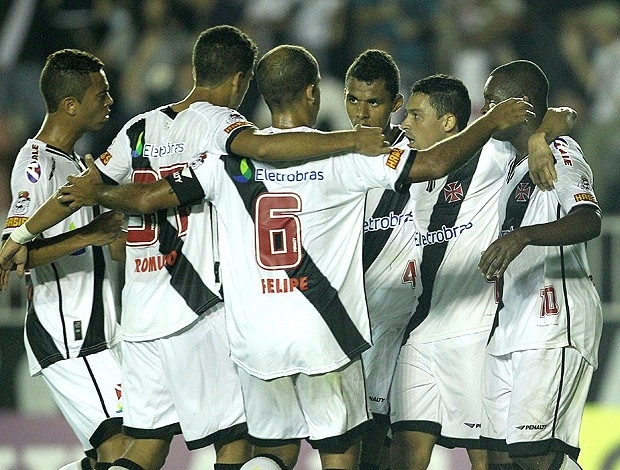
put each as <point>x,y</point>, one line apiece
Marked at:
<point>21,235</point>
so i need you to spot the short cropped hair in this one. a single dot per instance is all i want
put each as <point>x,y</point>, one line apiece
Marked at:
<point>67,73</point>
<point>220,52</point>
<point>446,95</point>
<point>375,65</point>
<point>525,78</point>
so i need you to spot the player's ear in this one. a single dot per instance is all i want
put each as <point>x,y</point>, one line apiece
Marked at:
<point>449,122</point>
<point>237,79</point>
<point>69,105</point>
<point>310,92</point>
<point>398,102</point>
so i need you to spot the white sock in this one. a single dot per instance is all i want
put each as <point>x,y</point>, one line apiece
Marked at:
<point>569,464</point>
<point>73,466</point>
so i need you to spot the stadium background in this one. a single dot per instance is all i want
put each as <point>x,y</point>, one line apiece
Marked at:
<point>146,45</point>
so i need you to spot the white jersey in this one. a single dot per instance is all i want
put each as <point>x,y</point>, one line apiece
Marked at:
<point>562,307</point>
<point>292,255</point>
<point>72,312</point>
<point>456,216</point>
<point>171,273</point>
<point>390,255</point>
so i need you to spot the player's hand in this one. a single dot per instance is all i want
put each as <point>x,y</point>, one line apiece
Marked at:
<point>370,141</point>
<point>510,112</point>
<point>105,228</point>
<point>12,256</point>
<point>541,162</point>
<point>80,191</point>
<point>496,258</point>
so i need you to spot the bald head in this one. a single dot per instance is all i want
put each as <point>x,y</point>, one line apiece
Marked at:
<point>284,73</point>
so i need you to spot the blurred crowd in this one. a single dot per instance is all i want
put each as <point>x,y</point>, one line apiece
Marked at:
<point>146,46</point>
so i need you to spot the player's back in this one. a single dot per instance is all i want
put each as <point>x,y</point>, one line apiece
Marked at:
<point>171,267</point>
<point>291,257</point>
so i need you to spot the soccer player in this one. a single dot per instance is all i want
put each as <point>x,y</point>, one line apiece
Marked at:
<point>71,330</point>
<point>172,298</point>
<point>393,250</point>
<point>544,341</point>
<point>371,95</point>
<point>291,249</point>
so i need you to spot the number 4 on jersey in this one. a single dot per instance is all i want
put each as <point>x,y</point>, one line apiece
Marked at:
<point>410,273</point>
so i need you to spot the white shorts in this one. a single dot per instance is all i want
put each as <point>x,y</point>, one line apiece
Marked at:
<point>87,391</point>
<point>186,383</point>
<point>437,389</point>
<point>379,364</point>
<point>533,401</point>
<point>327,409</point>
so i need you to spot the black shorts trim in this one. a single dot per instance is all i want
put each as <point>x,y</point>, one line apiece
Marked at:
<point>427,427</point>
<point>272,442</point>
<point>224,436</point>
<point>160,433</point>
<point>380,419</point>
<point>339,444</point>
<point>530,449</point>
<point>104,431</point>
<point>453,442</point>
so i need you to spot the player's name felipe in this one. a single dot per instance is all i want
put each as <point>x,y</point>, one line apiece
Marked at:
<point>283,285</point>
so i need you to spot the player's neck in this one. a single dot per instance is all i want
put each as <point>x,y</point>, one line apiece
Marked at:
<point>58,134</point>
<point>520,145</point>
<point>200,94</point>
<point>290,120</point>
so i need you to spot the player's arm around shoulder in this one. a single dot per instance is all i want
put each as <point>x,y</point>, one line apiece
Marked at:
<point>556,122</point>
<point>130,198</point>
<point>290,146</point>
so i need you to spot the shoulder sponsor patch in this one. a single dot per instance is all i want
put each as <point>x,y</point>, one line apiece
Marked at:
<point>33,171</point>
<point>14,222</point>
<point>22,203</point>
<point>393,158</point>
<point>105,157</point>
<point>581,197</point>
<point>236,125</point>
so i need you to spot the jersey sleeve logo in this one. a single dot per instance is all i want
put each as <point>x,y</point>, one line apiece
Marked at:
<point>14,222</point>
<point>561,145</point>
<point>393,158</point>
<point>585,197</point>
<point>22,204</point>
<point>33,171</point>
<point>105,157</point>
<point>453,192</point>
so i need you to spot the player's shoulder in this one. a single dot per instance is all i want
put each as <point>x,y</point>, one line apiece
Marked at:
<point>568,152</point>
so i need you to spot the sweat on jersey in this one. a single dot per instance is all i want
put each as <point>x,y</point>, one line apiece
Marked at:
<point>171,270</point>
<point>548,298</point>
<point>72,311</point>
<point>291,250</point>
